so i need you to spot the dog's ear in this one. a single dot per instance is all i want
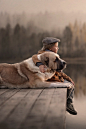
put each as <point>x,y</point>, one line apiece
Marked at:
<point>45,58</point>
<point>47,61</point>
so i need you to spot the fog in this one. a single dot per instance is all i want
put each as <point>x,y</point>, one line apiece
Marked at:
<point>46,14</point>
<point>35,6</point>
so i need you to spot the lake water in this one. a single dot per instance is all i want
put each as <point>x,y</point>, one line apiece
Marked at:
<point>78,73</point>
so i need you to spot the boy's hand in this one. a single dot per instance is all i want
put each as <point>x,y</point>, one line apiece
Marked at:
<point>73,83</point>
<point>42,68</point>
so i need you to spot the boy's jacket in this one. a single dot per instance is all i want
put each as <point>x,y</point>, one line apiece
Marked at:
<point>59,76</point>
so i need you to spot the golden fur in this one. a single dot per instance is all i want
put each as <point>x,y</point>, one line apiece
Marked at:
<point>26,74</point>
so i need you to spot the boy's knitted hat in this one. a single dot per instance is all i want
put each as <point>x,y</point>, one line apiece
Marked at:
<point>49,40</point>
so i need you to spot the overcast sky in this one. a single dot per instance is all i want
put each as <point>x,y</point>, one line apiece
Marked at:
<point>35,6</point>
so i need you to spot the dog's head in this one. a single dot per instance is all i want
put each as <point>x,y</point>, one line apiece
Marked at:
<point>52,60</point>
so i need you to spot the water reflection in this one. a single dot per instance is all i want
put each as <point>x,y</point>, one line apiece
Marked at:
<point>78,73</point>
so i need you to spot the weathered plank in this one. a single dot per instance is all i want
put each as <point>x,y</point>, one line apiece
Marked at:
<point>6,95</point>
<point>18,114</point>
<point>55,117</point>
<point>48,111</point>
<point>7,108</point>
<point>34,109</point>
<point>3,91</point>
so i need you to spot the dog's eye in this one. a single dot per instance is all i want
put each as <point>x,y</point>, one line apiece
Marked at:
<point>55,60</point>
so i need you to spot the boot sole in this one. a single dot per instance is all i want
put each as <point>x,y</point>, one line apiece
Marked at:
<point>71,112</point>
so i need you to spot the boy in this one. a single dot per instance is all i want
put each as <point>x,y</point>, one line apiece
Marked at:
<point>51,44</point>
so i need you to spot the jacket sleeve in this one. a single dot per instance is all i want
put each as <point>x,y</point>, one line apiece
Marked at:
<point>66,77</point>
<point>36,61</point>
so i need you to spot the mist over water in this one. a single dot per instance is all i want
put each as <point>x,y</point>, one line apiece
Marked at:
<point>79,121</point>
<point>78,73</point>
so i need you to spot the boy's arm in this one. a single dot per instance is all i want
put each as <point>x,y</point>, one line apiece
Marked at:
<point>66,77</point>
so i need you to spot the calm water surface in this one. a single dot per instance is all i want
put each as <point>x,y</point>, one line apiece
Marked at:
<point>78,73</point>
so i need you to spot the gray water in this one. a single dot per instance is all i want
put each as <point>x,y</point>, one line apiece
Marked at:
<point>78,73</point>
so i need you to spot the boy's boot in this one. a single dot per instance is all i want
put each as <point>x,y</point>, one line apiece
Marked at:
<point>70,107</point>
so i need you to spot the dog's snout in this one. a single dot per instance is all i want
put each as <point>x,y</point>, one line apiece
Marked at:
<point>64,63</point>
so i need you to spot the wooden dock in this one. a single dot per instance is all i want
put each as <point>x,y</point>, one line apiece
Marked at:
<point>33,108</point>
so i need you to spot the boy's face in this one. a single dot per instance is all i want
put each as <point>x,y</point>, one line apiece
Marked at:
<point>54,48</point>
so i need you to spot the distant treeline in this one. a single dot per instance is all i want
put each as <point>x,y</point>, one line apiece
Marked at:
<point>19,43</point>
